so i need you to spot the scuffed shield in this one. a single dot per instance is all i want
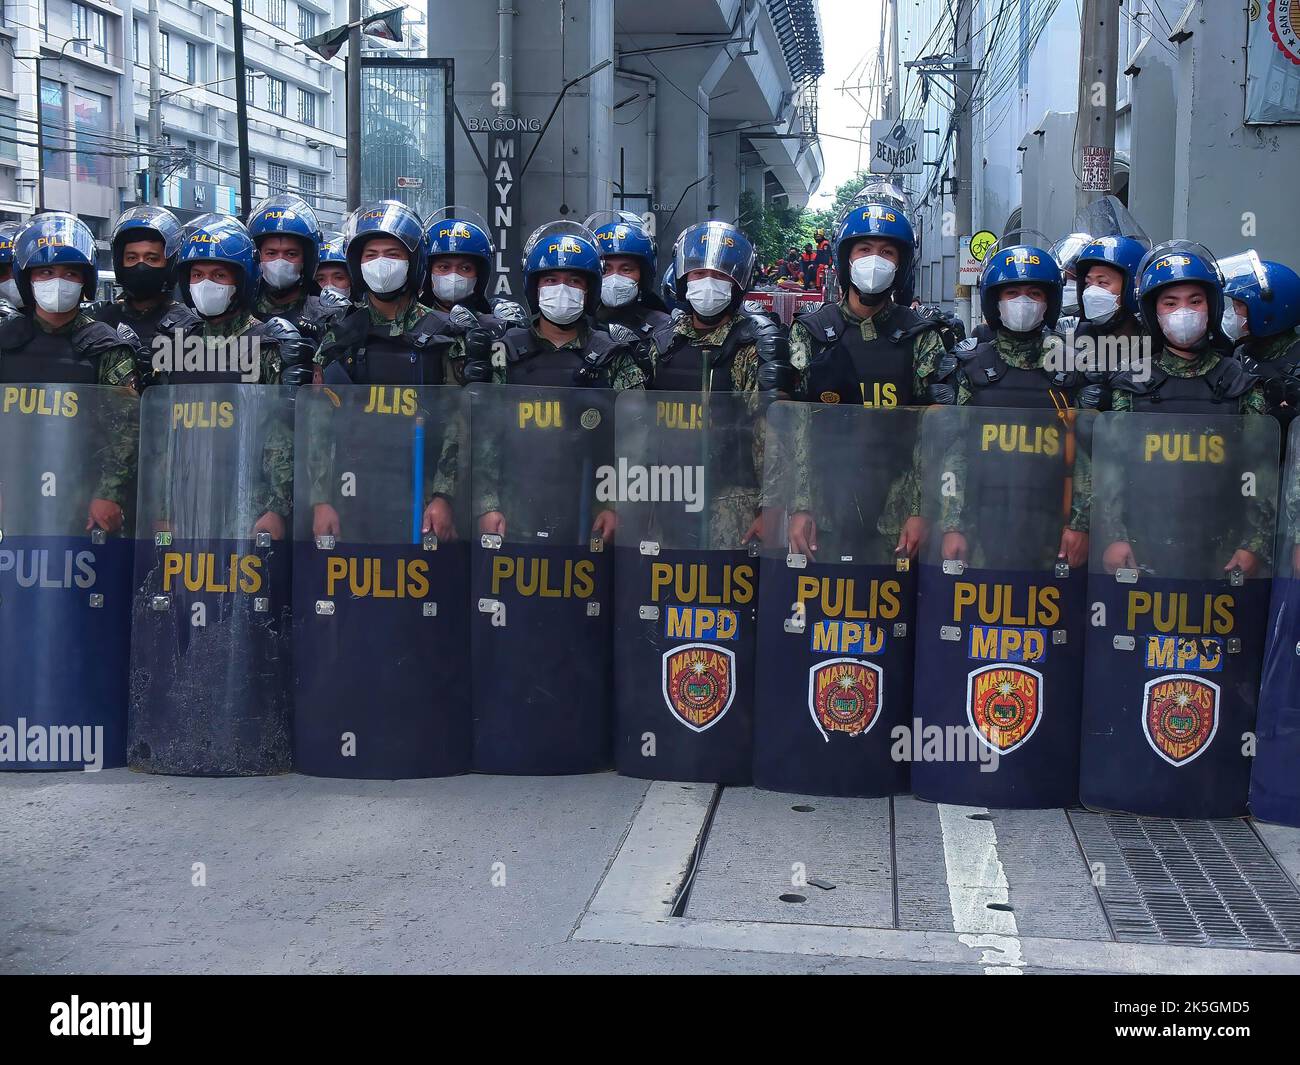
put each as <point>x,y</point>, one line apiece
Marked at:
<point>685,486</point>
<point>845,696</point>
<point>1180,714</point>
<point>540,618</point>
<point>210,640</point>
<point>1004,704</point>
<point>837,602</point>
<point>1183,521</point>
<point>381,582</point>
<point>65,593</point>
<point>1274,781</point>
<point>1000,617</point>
<point>699,683</point>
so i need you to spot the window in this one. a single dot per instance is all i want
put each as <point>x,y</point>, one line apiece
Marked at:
<point>93,25</point>
<point>248,6</point>
<point>8,129</point>
<point>306,23</point>
<point>191,158</point>
<point>307,107</point>
<point>53,129</point>
<point>191,62</point>
<point>250,87</point>
<point>139,45</point>
<point>277,178</point>
<point>275,10</point>
<point>92,118</point>
<point>307,185</point>
<point>275,95</point>
<point>164,51</point>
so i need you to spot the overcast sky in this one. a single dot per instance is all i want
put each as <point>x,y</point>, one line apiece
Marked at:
<point>850,34</point>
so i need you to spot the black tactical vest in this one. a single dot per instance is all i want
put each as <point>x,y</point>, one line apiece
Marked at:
<point>531,361</point>
<point>995,383</point>
<point>1216,392</point>
<point>845,368</point>
<point>232,376</point>
<point>28,354</point>
<point>365,358</point>
<point>637,316</point>
<point>681,362</point>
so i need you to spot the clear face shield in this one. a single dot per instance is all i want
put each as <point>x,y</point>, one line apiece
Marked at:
<point>714,246</point>
<point>1108,217</point>
<point>1245,270</point>
<point>455,210</point>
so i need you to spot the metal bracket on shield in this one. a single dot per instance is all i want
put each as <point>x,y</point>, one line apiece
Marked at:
<point>162,539</point>
<point>261,605</point>
<point>593,609</point>
<point>96,600</point>
<point>429,541</point>
<point>648,613</point>
<point>325,543</point>
<point>160,603</point>
<point>649,547</point>
<point>1234,645</point>
<point>796,561</point>
<point>1126,576</point>
<point>753,548</point>
<point>1237,578</point>
<point>797,622</point>
<point>1124,643</point>
<point>324,608</point>
<point>429,610</point>
<point>951,633</point>
<point>264,540</point>
<point>954,567</point>
<point>597,545</point>
<point>490,541</point>
<point>902,565</point>
<point>98,537</point>
<point>1062,570</point>
<point>1058,636</point>
<point>900,629</point>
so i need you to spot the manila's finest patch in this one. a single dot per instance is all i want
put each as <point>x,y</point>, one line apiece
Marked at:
<point>1180,715</point>
<point>1004,704</point>
<point>830,397</point>
<point>699,684</point>
<point>844,695</point>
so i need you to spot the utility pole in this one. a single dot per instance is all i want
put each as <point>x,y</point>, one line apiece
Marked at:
<point>353,103</point>
<point>241,113</point>
<point>155,106</point>
<point>895,106</point>
<point>963,126</point>
<point>40,136</point>
<point>1098,69</point>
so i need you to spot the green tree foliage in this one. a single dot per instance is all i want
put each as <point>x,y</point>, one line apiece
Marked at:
<point>774,229</point>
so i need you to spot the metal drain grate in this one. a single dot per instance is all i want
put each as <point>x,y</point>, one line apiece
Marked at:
<point>1192,883</point>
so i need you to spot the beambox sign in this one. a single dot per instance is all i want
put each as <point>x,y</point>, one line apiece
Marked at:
<point>896,146</point>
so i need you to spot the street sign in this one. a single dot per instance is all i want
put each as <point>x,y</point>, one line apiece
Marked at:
<point>968,263</point>
<point>896,146</point>
<point>981,242</point>
<point>1096,168</point>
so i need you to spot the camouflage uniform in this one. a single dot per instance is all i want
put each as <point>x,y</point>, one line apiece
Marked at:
<point>1251,403</point>
<point>270,364</point>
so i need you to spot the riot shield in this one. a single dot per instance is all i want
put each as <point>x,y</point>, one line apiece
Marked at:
<point>836,618</point>
<point>686,585</point>
<point>1183,518</point>
<point>1275,775</point>
<point>65,592</point>
<point>999,647</point>
<point>381,582</point>
<point>210,668</point>
<point>540,631</point>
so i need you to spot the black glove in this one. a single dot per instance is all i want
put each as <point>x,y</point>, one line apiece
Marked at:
<point>775,374</point>
<point>479,344</point>
<point>296,351</point>
<point>1281,391</point>
<point>510,312</point>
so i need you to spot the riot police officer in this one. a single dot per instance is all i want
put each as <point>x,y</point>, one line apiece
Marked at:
<point>288,237</point>
<point>52,339</point>
<point>10,300</point>
<point>217,277</point>
<point>1260,317</point>
<point>1107,269</point>
<point>333,277</point>
<point>627,258</point>
<point>716,345</point>
<point>460,261</point>
<point>561,346</point>
<point>146,246</point>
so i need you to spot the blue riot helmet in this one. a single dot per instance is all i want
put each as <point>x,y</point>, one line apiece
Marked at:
<point>625,233</point>
<point>713,246</point>
<point>224,239</point>
<point>463,231</point>
<point>562,245</point>
<point>1116,241</point>
<point>146,223</point>
<point>1021,257</point>
<point>333,250</point>
<point>1270,291</point>
<point>53,239</point>
<point>9,287</point>
<point>386,218</point>
<point>879,210</point>
<point>1177,262</point>
<point>285,215</point>
<point>668,286</point>
<point>1122,253</point>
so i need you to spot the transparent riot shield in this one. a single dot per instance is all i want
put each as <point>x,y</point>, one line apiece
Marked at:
<point>686,584</point>
<point>837,599</point>
<point>999,646</point>
<point>1183,520</point>
<point>210,648</point>
<point>540,633</point>
<point>67,503</point>
<point>1275,775</point>
<point>381,582</point>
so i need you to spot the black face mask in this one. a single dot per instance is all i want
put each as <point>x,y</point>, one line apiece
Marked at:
<point>143,281</point>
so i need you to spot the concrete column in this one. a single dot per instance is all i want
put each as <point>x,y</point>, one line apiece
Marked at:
<point>600,108</point>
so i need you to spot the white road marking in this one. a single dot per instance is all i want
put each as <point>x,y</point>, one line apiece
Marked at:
<point>977,888</point>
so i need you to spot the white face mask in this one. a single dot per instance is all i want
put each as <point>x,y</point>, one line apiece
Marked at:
<point>708,296</point>
<point>872,274</point>
<point>1184,327</point>
<point>9,290</point>
<point>1233,325</point>
<point>616,290</point>
<point>451,288</point>
<point>1070,294</point>
<point>561,304</point>
<point>1022,314</point>
<point>1099,305</point>
<point>211,298</point>
<point>384,276</point>
<point>336,292</point>
<point>57,295</point>
<point>281,274</point>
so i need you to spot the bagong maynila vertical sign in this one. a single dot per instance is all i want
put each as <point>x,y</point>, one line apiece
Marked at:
<point>406,131</point>
<point>504,160</point>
